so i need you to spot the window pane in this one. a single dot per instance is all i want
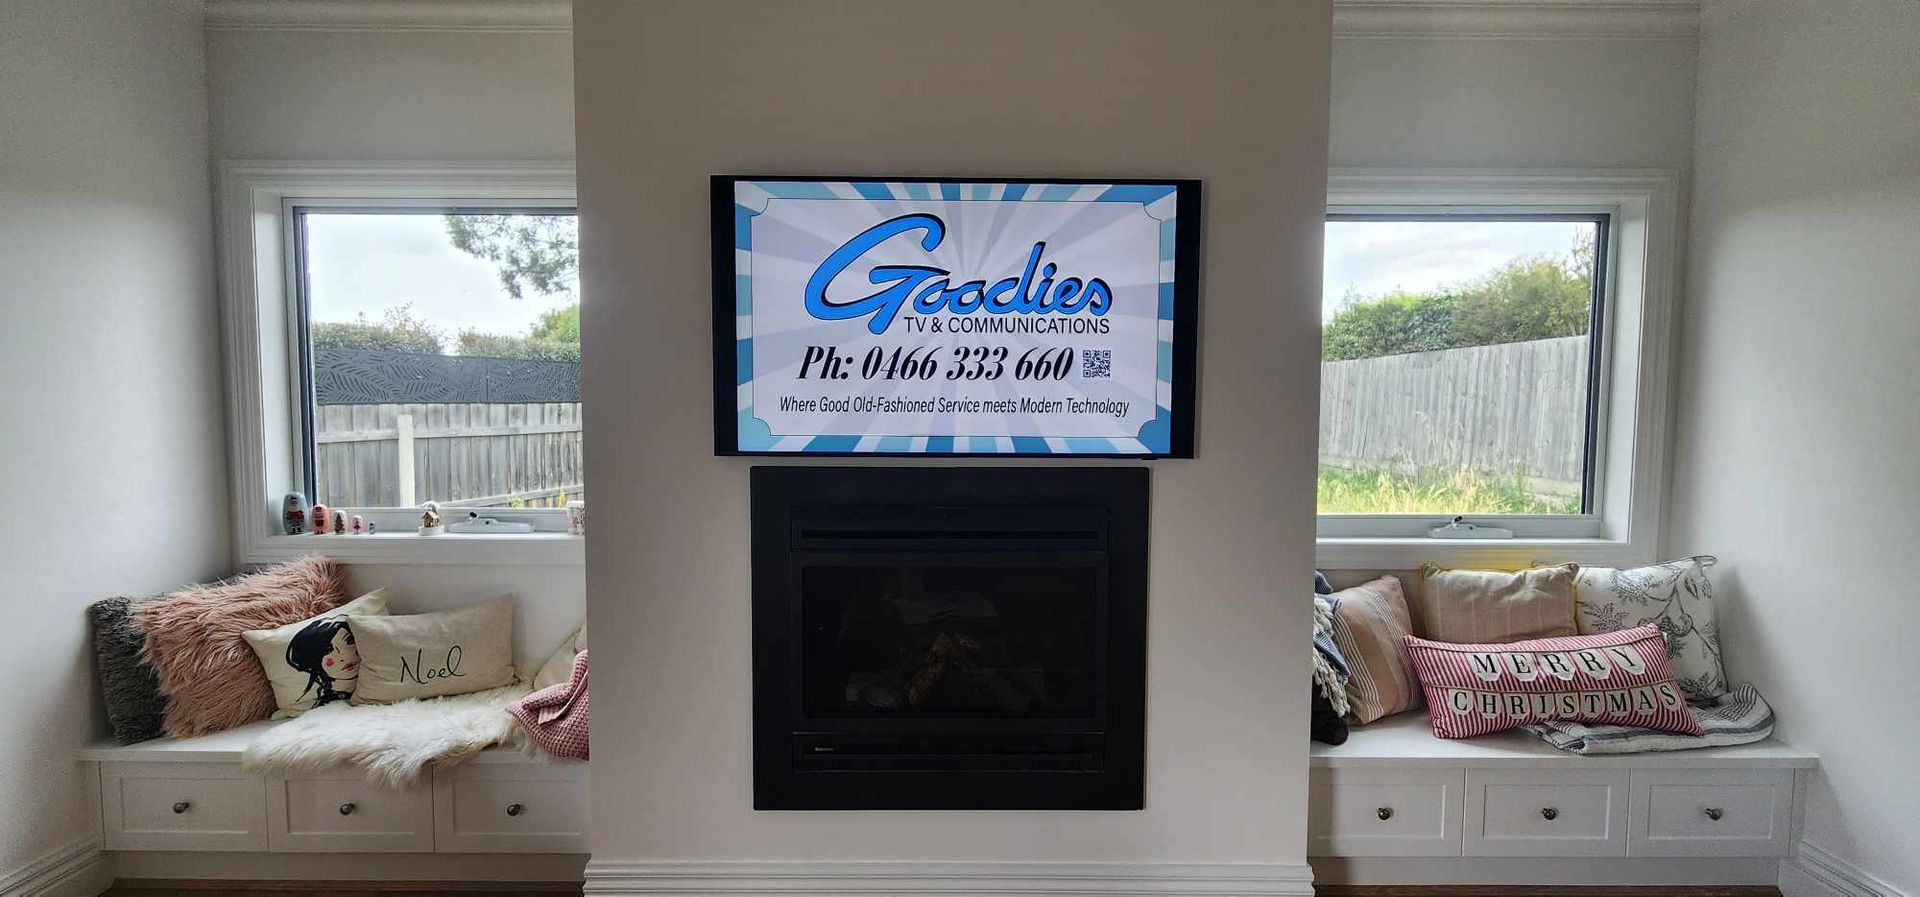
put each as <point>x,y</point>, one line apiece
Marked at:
<point>1455,365</point>
<point>452,340</point>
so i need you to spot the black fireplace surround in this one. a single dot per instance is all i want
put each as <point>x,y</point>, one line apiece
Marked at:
<point>949,638</point>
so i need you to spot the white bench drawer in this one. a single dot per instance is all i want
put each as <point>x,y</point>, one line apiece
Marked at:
<point>341,813</point>
<point>1711,812</point>
<point>1360,812</point>
<point>512,808</point>
<point>181,806</point>
<point>1546,812</point>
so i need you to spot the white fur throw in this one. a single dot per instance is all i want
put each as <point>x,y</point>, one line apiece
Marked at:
<point>397,744</point>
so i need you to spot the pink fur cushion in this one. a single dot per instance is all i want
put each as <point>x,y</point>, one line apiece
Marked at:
<point>196,641</point>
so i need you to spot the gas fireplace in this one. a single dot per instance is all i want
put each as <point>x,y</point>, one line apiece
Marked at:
<point>949,638</point>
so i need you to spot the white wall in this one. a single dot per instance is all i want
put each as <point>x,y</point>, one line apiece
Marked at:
<point>408,95</point>
<point>1798,419</point>
<point>110,409</point>
<point>670,92</point>
<point>1472,103</point>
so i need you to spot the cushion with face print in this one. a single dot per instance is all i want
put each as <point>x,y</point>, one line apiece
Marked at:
<point>314,661</point>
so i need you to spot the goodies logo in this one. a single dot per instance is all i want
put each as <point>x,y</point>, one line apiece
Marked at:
<point>929,290</point>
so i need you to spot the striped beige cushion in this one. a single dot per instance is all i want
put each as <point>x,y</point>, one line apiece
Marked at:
<point>1488,607</point>
<point>1370,626</point>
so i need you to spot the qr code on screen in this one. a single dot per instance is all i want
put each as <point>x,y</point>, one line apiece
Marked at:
<point>1096,364</point>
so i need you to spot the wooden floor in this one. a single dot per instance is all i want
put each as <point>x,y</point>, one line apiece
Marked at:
<point>468,889</point>
<point>1544,891</point>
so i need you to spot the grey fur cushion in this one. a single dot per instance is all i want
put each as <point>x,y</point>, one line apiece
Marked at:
<point>128,685</point>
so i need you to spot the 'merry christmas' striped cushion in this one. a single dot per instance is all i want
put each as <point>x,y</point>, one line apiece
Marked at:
<point>1619,678</point>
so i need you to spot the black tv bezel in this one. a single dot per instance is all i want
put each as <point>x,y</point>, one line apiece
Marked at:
<point>1186,314</point>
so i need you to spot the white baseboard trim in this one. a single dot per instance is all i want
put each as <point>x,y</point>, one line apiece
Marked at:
<point>1841,876</point>
<point>973,879</point>
<point>74,869</point>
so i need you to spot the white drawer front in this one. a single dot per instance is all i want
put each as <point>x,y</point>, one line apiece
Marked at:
<point>343,814</point>
<point>1546,812</point>
<point>1711,812</point>
<point>511,808</point>
<point>1360,812</point>
<point>181,806</point>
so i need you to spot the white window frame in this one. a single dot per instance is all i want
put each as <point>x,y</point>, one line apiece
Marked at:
<point>1630,447</point>
<point>259,307</point>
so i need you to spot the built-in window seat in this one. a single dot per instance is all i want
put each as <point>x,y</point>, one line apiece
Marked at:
<point>1394,790</point>
<point>192,795</point>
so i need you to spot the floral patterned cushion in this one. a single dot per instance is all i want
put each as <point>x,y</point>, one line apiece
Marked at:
<point>1676,597</point>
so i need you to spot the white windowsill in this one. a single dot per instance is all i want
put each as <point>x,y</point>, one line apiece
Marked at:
<point>1410,553</point>
<point>523,549</point>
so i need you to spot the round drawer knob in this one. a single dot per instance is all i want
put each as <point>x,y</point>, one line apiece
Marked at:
<point>1714,813</point>
<point>1385,813</point>
<point>181,806</point>
<point>347,808</point>
<point>1549,813</point>
<point>515,809</point>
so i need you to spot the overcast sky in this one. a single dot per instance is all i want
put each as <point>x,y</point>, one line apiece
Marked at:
<point>370,263</point>
<point>1375,257</point>
<point>362,263</point>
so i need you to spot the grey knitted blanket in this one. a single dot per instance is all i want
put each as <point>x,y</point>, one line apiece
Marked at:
<point>1739,717</point>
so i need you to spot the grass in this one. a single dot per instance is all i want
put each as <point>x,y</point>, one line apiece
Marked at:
<point>1430,491</point>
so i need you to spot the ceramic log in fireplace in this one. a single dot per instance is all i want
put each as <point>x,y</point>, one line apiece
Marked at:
<point>949,638</point>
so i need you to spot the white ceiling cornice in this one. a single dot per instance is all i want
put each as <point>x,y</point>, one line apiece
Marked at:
<point>1518,19</point>
<point>390,15</point>
<point>1407,19</point>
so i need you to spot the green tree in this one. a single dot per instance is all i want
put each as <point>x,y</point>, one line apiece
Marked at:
<point>1529,298</point>
<point>531,251</point>
<point>1389,325</point>
<point>396,331</point>
<point>506,345</point>
<point>1537,297</point>
<point>561,325</point>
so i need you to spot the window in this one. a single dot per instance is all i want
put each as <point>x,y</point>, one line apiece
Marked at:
<point>1495,347</point>
<point>1459,363</point>
<point>368,306</point>
<point>442,356</point>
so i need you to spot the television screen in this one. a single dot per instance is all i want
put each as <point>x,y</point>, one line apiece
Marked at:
<point>954,316</point>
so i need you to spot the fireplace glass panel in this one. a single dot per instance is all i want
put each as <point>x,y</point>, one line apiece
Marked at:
<point>915,639</point>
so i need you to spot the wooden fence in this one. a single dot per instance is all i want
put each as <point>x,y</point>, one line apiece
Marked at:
<point>1505,409</point>
<point>495,454</point>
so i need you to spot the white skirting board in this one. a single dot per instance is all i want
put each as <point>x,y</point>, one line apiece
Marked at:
<point>965,879</point>
<point>75,869</point>
<point>1813,871</point>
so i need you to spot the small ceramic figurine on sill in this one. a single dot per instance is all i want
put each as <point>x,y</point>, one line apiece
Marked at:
<point>430,522</point>
<point>322,519</point>
<point>339,523</point>
<point>359,525</point>
<point>293,514</point>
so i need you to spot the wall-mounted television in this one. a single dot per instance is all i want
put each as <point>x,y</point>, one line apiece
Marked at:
<point>954,316</point>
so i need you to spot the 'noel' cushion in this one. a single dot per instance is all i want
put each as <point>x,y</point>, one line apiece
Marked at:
<point>1675,596</point>
<point>313,661</point>
<point>1618,678</point>
<point>429,655</point>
